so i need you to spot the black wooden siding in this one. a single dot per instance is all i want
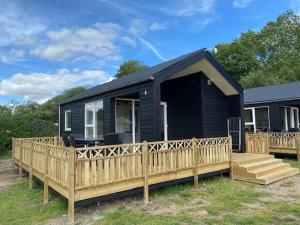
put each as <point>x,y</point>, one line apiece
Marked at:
<point>275,114</point>
<point>214,108</point>
<point>183,97</point>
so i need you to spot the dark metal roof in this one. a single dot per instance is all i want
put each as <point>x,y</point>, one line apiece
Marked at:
<point>149,74</point>
<point>272,93</point>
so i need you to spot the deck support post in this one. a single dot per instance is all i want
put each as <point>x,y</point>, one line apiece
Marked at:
<point>195,153</point>
<point>30,166</point>
<point>20,162</point>
<point>230,156</point>
<point>71,197</point>
<point>46,179</point>
<point>145,170</point>
<point>13,153</point>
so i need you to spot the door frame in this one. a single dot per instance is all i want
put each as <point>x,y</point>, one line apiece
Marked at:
<point>165,108</point>
<point>164,104</point>
<point>132,115</point>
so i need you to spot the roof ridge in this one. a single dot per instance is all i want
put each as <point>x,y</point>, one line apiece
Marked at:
<point>273,85</point>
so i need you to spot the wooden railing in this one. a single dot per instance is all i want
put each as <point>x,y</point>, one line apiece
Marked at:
<point>287,140</point>
<point>85,173</point>
<point>273,142</point>
<point>257,143</point>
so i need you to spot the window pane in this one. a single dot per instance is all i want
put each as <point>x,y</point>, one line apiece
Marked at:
<point>89,114</point>
<point>262,119</point>
<point>68,119</point>
<point>89,132</point>
<point>123,116</point>
<point>295,117</point>
<point>99,119</point>
<point>248,115</point>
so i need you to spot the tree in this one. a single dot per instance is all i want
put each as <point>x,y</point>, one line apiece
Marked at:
<point>130,66</point>
<point>269,56</point>
<point>31,119</point>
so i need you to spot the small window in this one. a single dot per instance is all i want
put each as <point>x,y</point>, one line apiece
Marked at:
<point>68,120</point>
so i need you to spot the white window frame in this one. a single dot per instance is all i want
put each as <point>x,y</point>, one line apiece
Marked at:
<point>164,104</point>
<point>93,125</point>
<point>293,123</point>
<point>253,123</point>
<point>133,117</point>
<point>66,112</point>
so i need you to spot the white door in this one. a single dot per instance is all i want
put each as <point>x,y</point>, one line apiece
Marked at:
<point>164,121</point>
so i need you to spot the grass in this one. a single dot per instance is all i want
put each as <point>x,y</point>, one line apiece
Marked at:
<point>20,206</point>
<point>130,217</point>
<point>293,161</point>
<point>4,156</point>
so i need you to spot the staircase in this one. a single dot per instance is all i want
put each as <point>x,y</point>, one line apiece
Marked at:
<point>260,168</point>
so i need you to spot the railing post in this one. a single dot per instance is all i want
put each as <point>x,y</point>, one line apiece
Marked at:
<point>30,165</point>
<point>298,146</point>
<point>71,197</point>
<point>145,170</point>
<point>55,140</point>
<point>267,143</point>
<point>195,157</point>
<point>230,156</point>
<point>247,141</point>
<point>46,179</point>
<point>20,161</point>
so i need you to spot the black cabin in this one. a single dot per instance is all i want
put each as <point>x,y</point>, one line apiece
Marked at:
<point>272,108</point>
<point>189,96</point>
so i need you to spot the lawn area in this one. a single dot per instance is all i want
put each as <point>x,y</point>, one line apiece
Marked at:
<point>20,206</point>
<point>218,201</point>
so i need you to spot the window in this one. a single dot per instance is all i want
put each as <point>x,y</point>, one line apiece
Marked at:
<point>249,120</point>
<point>256,119</point>
<point>94,119</point>
<point>68,120</point>
<point>290,118</point>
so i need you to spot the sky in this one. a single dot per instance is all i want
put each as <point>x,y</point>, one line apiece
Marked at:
<point>47,47</point>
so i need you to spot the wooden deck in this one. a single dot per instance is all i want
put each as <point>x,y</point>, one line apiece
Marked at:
<point>260,168</point>
<point>85,173</point>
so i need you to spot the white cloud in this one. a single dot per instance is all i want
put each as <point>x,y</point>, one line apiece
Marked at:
<point>42,86</point>
<point>158,26</point>
<point>190,7</point>
<point>241,3</point>
<point>295,6</point>
<point>98,41</point>
<point>129,40</point>
<point>17,27</point>
<point>137,26</point>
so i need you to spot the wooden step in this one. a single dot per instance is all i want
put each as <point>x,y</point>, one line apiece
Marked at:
<point>261,169</point>
<point>277,176</point>
<point>257,159</point>
<point>257,173</point>
<point>261,164</point>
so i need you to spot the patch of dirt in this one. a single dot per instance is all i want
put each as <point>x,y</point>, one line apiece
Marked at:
<point>282,190</point>
<point>8,175</point>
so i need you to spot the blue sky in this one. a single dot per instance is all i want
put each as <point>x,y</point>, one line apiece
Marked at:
<point>47,47</point>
